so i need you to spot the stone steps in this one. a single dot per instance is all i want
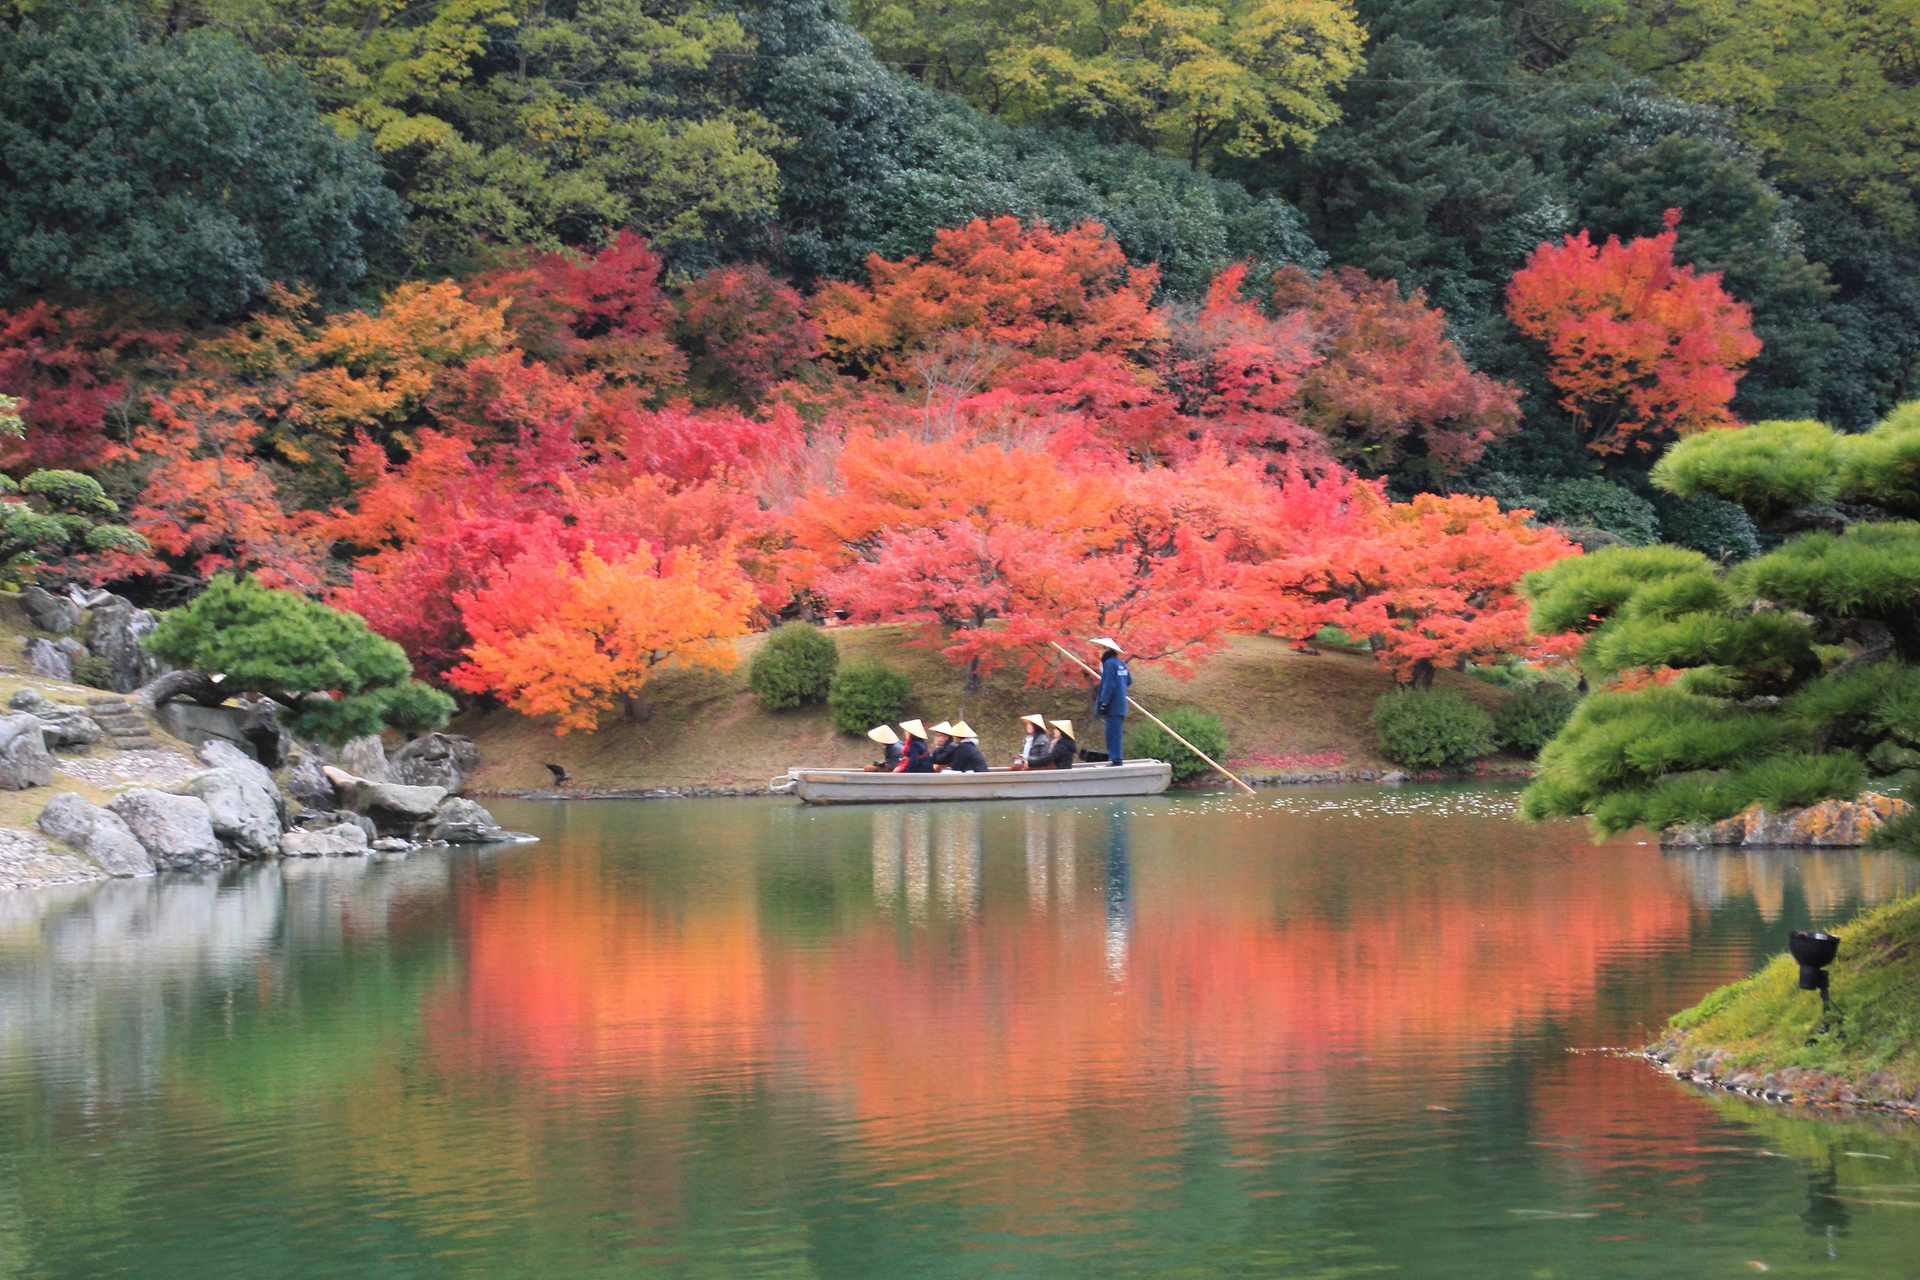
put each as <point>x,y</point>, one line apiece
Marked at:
<point>125,727</point>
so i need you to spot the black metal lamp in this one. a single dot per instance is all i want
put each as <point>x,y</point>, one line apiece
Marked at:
<point>1815,951</point>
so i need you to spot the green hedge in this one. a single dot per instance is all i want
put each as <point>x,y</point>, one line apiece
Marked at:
<point>1434,728</point>
<point>794,667</point>
<point>1147,740</point>
<point>867,692</point>
<point>1529,716</point>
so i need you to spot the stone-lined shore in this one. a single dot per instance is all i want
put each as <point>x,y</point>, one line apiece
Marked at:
<point>1789,1086</point>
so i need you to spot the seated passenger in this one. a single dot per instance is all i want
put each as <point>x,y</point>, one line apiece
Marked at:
<point>913,755</point>
<point>965,756</point>
<point>942,747</point>
<point>886,737</point>
<point>1060,754</point>
<point>1033,750</point>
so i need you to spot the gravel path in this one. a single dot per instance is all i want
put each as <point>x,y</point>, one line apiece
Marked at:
<point>130,768</point>
<point>27,862</point>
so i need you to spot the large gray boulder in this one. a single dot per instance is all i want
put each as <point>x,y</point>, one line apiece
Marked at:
<point>61,724</point>
<point>98,833</point>
<point>397,809</point>
<point>366,758</point>
<point>54,614</point>
<point>46,658</point>
<point>342,841</point>
<point>307,782</point>
<point>24,761</point>
<point>217,753</point>
<point>435,760</point>
<point>243,813</point>
<point>176,830</point>
<point>318,818</point>
<point>114,631</point>
<point>460,821</point>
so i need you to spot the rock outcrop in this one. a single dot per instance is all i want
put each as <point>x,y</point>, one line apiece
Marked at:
<point>61,724</point>
<point>177,831</point>
<point>444,760</point>
<point>244,815</point>
<point>98,833</point>
<point>459,821</point>
<point>53,614</point>
<point>365,758</point>
<point>343,840</point>
<point>114,631</point>
<point>307,782</point>
<point>24,761</point>
<point>1831,824</point>
<point>397,809</point>
<point>216,753</point>
<point>48,659</point>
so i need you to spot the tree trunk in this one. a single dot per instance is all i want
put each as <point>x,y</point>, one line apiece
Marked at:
<point>973,674</point>
<point>636,709</point>
<point>195,685</point>
<point>1422,674</point>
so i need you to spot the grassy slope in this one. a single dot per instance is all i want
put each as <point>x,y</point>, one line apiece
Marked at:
<point>1764,1023</point>
<point>1279,708</point>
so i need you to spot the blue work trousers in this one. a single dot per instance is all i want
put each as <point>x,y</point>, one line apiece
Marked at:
<point>1116,730</point>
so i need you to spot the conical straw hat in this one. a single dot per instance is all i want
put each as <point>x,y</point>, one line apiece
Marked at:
<point>884,735</point>
<point>1065,726</point>
<point>914,729</point>
<point>961,729</point>
<point>942,727</point>
<point>1038,722</point>
<point>1107,642</point>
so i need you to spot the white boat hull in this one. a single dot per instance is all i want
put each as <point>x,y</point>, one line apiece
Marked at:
<point>855,786</point>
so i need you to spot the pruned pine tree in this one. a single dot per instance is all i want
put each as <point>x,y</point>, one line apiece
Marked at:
<point>1788,679</point>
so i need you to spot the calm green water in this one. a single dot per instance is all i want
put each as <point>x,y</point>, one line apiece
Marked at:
<point>1325,1034</point>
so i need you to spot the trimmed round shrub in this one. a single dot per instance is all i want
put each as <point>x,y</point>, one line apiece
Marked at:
<point>794,667</point>
<point>867,692</point>
<point>1147,740</point>
<point>1434,728</point>
<point>1528,717</point>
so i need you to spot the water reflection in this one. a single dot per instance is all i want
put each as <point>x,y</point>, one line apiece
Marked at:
<point>1119,891</point>
<point>762,1039</point>
<point>1825,880</point>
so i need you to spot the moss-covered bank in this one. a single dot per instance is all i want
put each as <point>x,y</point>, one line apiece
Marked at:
<point>1763,1036</point>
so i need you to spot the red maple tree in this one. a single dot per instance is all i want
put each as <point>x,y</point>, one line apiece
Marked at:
<point>1640,347</point>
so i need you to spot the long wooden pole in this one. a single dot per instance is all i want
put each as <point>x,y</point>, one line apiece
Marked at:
<point>1157,720</point>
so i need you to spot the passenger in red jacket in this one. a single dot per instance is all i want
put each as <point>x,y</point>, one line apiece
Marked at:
<point>914,757</point>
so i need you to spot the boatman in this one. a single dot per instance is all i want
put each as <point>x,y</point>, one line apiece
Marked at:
<point>1111,701</point>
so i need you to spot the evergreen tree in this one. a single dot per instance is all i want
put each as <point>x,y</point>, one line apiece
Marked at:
<point>1784,680</point>
<point>335,678</point>
<point>180,169</point>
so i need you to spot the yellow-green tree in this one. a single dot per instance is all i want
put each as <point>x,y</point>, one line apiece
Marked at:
<point>1240,76</point>
<point>1827,90</point>
<point>519,121</point>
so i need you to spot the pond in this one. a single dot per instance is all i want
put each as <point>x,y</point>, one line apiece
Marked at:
<point>1318,1033</point>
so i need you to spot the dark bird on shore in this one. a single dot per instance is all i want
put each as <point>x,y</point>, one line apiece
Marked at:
<point>560,776</point>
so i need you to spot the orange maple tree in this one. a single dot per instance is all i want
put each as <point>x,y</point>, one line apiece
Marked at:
<point>209,503</point>
<point>1430,583</point>
<point>997,551</point>
<point>573,635</point>
<point>1640,347</point>
<point>1031,292</point>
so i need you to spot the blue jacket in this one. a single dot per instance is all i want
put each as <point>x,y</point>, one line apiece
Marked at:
<point>1115,680</point>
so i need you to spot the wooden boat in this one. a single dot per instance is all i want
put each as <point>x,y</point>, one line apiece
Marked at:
<point>855,786</point>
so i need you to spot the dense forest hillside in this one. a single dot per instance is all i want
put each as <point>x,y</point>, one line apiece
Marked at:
<point>566,341</point>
